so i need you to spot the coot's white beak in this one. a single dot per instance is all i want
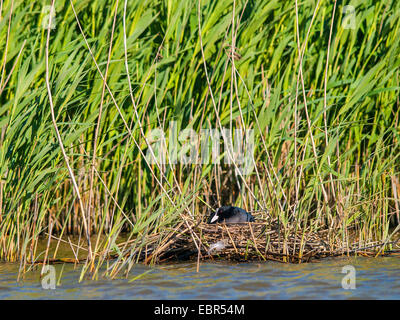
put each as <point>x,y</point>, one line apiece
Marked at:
<point>215,218</point>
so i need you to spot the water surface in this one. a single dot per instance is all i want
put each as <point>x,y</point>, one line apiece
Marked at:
<point>375,279</point>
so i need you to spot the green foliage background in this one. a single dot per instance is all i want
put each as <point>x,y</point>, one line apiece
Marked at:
<point>250,50</point>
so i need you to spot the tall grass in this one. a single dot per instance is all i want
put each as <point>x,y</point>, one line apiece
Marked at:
<point>323,102</point>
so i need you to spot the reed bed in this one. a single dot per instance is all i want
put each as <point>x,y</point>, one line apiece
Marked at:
<point>259,241</point>
<point>84,87</point>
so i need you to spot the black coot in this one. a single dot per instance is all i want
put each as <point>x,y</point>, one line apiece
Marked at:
<point>229,214</point>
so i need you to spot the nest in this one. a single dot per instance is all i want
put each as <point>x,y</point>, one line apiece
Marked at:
<point>254,241</point>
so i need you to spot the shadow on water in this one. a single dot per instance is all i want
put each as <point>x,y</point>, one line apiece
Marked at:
<point>375,279</point>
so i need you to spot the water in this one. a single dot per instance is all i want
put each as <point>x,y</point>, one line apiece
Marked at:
<point>375,279</point>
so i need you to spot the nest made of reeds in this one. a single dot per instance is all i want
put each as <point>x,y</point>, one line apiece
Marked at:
<point>268,240</point>
<point>255,241</point>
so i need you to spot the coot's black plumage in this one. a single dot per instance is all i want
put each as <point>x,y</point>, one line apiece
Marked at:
<point>229,214</point>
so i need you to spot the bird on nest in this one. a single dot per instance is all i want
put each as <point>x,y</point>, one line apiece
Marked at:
<point>230,214</point>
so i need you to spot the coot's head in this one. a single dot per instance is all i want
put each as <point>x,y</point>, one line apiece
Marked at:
<point>215,216</point>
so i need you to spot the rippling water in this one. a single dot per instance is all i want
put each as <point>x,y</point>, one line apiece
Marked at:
<point>375,279</point>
